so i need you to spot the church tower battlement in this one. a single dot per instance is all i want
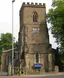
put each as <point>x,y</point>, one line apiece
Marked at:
<point>32,4</point>
<point>34,37</point>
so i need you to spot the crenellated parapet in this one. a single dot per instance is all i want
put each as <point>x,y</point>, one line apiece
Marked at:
<point>33,4</point>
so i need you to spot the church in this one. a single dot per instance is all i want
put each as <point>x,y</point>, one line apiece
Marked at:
<point>36,55</point>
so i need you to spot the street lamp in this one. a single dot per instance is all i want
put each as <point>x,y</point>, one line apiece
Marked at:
<point>12,40</point>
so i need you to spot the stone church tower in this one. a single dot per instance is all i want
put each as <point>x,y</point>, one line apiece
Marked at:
<point>33,38</point>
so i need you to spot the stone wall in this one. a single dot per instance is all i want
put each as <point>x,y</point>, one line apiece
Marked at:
<point>30,42</point>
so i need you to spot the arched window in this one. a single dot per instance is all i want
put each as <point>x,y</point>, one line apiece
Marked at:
<point>37,57</point>
<point>35,16</point>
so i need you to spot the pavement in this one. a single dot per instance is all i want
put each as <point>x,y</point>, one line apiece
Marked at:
<point>58,75</point>
<point>41,75</point>
<point>34,76</point>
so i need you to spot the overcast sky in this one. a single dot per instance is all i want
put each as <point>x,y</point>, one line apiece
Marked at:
<point>6,16</point>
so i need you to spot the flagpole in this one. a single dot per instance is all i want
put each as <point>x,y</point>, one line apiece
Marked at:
<point>12,38</point>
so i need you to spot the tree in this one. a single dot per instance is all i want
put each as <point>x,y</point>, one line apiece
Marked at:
<point>5,42</point>
<point>55,16</point>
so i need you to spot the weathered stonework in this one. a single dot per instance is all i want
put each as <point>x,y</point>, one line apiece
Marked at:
<point>31,43</point>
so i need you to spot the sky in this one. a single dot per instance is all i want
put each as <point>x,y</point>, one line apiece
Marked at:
<point>6,17</point>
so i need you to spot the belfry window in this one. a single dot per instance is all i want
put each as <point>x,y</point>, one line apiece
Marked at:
<point>35,16</point>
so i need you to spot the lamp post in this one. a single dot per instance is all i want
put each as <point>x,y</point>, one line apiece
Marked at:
<point>12,39</point>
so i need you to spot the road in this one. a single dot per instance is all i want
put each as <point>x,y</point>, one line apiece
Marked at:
<point>35,76</point>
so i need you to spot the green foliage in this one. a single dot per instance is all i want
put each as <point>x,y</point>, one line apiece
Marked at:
<point>55,16</point>
<point>0,54</point>
<point>6,41</point>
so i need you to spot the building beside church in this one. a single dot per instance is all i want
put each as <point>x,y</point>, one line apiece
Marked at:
<point>6,61</point>
<point>35,51</point>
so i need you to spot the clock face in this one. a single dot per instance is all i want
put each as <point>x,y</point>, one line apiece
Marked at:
<point>35,30</point>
